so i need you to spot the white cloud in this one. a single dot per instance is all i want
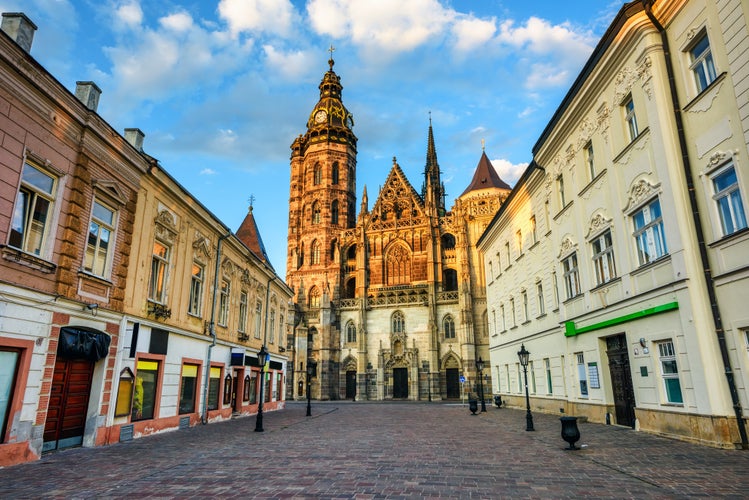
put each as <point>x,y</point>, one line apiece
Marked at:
<point>207,171</point>
<point>508,171</point>
<point>179,21</point>
<point>129,14</point>
<point>267,16</point>
<point>471,32</point>
<point>546,75</point>
<point>291,65</point>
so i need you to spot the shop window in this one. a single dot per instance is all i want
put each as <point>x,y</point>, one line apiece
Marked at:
<point>9,359</point>
<point>582,375</point>
<point>253,388</point>
<point>188,389</point>
<point>214,381</point>
<point>227,389</point>
<point>146,385</point>
<point>246,389</point>
<point>123,405</point>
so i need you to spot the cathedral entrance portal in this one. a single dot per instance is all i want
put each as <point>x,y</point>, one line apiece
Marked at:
<point>452,379</point>
<point>400,383</point>
<point>350,384</point>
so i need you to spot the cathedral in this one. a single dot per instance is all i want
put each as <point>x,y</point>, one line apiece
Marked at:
<point>390,303</point>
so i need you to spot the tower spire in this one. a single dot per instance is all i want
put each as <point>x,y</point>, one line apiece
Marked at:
<point>432,173</point>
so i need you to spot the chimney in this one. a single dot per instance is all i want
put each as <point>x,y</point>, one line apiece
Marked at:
<point>88,93</point>
<point>135,137</point>
<point>20,28</point>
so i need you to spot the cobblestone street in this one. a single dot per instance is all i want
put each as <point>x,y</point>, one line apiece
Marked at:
<point>373,450</point>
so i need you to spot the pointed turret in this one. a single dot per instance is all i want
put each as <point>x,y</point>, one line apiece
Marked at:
<point>364,202</point>
<point>485,177</point>
<point>330,120</point>
<point>432,182</point>
<point>249,234</point>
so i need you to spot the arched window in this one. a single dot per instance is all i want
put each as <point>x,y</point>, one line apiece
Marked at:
<point>301,256</point>
<point>350,289</point>
<point>334,212</point>
<point>314,298</point>
<point>448,241</point>
<point>316,212</point>
<point>334,173</point>
<point>333,250</point>
<point>317,179</point>
<point>398,266</point>
<point>448,325</point>
<point>399,322</point>
<point>449,280</point>
<point>350,332</point>
<point>315,252</point>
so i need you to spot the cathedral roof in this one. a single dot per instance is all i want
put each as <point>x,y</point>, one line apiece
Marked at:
<point>249,234</point>
<point>485,177</point>
<point>397,198</point>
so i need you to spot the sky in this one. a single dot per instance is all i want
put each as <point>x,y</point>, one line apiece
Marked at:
<point>221,88</point>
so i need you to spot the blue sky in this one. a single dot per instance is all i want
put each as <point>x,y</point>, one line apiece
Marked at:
<point>221,88</point>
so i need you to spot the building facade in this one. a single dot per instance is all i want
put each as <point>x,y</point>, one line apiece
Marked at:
<point>620,256</point>
<point>391,302</point>
<point>126,307</point>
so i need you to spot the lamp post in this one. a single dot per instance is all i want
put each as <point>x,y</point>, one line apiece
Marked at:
<point>480,368</point>
<point>311,372</point>
<point>262,358</point>
<point>523,355</point>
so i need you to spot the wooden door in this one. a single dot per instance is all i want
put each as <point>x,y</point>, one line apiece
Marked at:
<point>400,383</point>
<point>621,380</point>
<point>452,381</point>
<point>68,403</point>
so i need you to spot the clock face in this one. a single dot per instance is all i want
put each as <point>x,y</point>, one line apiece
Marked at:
<point>320,116</point>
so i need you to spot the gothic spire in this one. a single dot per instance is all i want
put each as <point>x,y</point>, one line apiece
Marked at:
<point>432,180</point>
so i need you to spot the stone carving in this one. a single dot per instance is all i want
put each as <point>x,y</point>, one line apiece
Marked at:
<point>641,191</point>
<point>165,227</point>
<point>598,223</point>
<point>567,246</point>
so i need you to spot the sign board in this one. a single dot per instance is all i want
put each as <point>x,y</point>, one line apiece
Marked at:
<point>462,379</point>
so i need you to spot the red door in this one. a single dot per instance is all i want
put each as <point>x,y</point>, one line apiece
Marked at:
<point>68,402</point>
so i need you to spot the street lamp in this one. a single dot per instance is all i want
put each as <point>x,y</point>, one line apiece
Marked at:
<point>523,355</point>
<point>311,372</point>
<point>262,358</point>
<point>480,368</point>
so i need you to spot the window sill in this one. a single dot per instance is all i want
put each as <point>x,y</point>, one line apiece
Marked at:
<point>573,298</point>
<point>534,245</point>
<point>563,210</point>
<point>606,283</point>
<point>673,405</point>
<point>707,89</point>
<point>541,316</point>
<point>520,257</point>
<point>592,182</point>
<point>514,327</point>
<point>525,322</point>
<point>93,277</point>
<point>631,144</point>
<point>503,331</point>
<point>651,264</point>
<point>27,259</point>
<point>728,237</point>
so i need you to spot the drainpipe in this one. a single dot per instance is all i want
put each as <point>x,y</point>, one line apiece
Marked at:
<point>709,282</point>
<point>212,330</point>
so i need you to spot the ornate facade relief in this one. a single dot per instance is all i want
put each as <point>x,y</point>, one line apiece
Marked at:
<point>642,190</point>
<point>567,246</point>
<point>165,227</point>
<point>599,222</point>
<point>201,247</point>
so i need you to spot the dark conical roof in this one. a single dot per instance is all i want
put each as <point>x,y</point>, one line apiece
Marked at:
<point>249,234</point>
<point>485,177</point>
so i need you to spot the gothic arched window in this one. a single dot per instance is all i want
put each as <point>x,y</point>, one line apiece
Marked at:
<point>398,266</point>
<point>449,280</point>
<point>334,173</point>
<point>314,297</point>
<point>448,325</point>
<point>317,174</point>
<point>350,332</point>
<point>334,212</point>
<point>316,212</point>
<point>448,241</point>
<point>315,252</point>
<point>399,322</point>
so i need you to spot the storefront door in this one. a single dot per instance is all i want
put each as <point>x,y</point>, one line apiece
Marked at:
<point>68,403</point>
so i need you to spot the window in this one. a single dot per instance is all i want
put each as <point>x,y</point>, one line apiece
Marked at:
<point>702,65</point>
<point>278,391</point>
<point>540,298</point>
<point>223,303</point>
<point>350,332</point>
<point>317,174</point>
<point>316,212</point>
<point>670,372</point>
<point>334,173</point>
<point>549,385</point>
<point>124,403</point>
<point>555,284</point>
<point>512,313</point>
<point>159,265</point>
<point>188,388</point>
<point>507,252</point>
<point>502,315</point>
<point>582,375</point>
<point>649,236</point>
<point>315,249</point>
<point>448,324</point>
<point>258,318</point>
<point>146,383</point>
<point>100,232</point>
<point>519,239</point>
<point>494,320</point>
<point>532,374</point>
<point>534,233</point>
<point>571,276</point>
<point>524,298</point>
<point>630,118</point>
<point>589,159</point>
<point>227,389</point>
<point>560,190</point>
<point>728,198</point>
<point>603,258</point>
<point>214,384</point>
<point>398,322</point>
<point>314,298</point>
<point>334,212</point>
<point>9,363</point>
<point>520,378</point>
<point>246,389</point>
<point>281,326</point>
<point>196,289</point>
<point>33,211</point>
<point>272,328</point>
<point>242,320</point>
<point>253,388</point>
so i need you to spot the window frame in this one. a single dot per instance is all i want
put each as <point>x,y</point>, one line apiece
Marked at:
<point>735,207</point>
<point>243,308</point>
<point>224,299</point>
<point>589,158</point>
<point>24,211</point>
<point>350,332</point>
<point>667,354</point>
<point>157,283</point>
<point>571,276</point>
<point>111,228</point>
<point>652,229</point>
<point>702,65</point>
<point>540,298</point>
<point>630,117</point>
<point>195,304</point>
<point>604,262</point>
<point>448,327</point>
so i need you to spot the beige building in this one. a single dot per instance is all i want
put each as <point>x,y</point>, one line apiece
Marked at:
<point>620,256</point>
<point>392,300</point>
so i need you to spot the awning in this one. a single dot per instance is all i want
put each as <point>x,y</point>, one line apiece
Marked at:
<point>82,342</point>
